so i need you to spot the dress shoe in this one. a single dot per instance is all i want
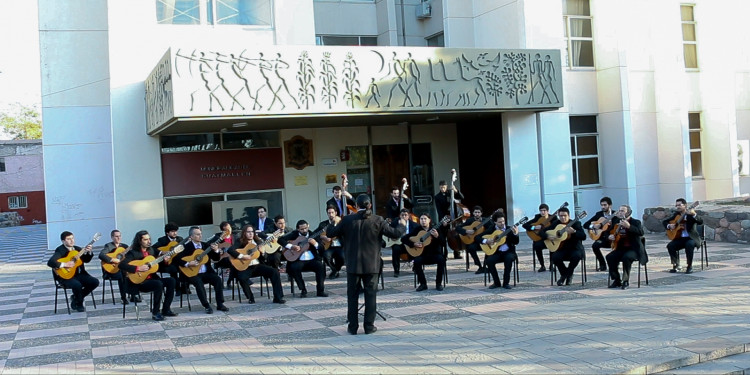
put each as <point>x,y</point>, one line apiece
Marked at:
<point>251,300</point>
<point>561,281</point>
<point>80,308</point>
<point>439,287</point>
<point>280,301</point>
<point>615,284</point>
<point>567,280</point>
<point>158,317</point>
<point>352,331</point>
<point>395,274</point>
<point>457,255</point>
<point>507,286</point>
<point>322,294</point>
<point>209,310</point>
<point>673,270</point>
<point>495,286</point>
<point>625,285</point>
<point>303,294</point>
<point>541,269</point>
<point>135,298</point>
<point>603,268</point>
<point>371,330</point>
<point>169,313</point>
<point>124,301</point>
<point>480,271</point>
<point>689,269</point>
<point>421,288</point>
<point>222,307</point>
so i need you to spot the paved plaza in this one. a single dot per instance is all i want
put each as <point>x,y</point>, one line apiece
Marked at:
<point>676,320</point>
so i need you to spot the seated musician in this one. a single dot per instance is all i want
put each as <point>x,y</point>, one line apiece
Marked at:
<point>82,284</point>
<point>571,249</point>
<point>223,262</point>
<point>594,223</point>
<point>505,254</point>
<point>153,283</point>
<point>206,273</point>
<point>309,261</point>
<point>338,203</point>
<point>473,247</point>
<point>625,236</point>
<point>398,250</point>
<point>333,256</point>
<point>247,236</point>
<point>443,207</point>
<point>108,248</point>
<point>431,254</point>
<point>274,259</point>
<point>170,236</point>
<point>688,238</point>
<point>538,246</point>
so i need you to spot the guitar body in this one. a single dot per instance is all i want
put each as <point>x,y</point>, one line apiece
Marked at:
<point>167,248</point>
<point>414,251</point>
<point>553,241</point>
<point>489,250</point>
<point>271,247</point>
<point>193,271</point>
<point>604,223</point>
<point>139,277</point>
<point>68,273</point>
<point>477,227</point>
<point>679,222</point>
<point>535,234</point>
<point>112,267</point>
<point>244,263</point>
<point>304,245</point>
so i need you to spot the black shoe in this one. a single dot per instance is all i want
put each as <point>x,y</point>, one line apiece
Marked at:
<point>625,285</point>
<point>124,301</point>
<point>561,281</point>
<point>603,268</point>
<point>322,294</point>
<point>222,307</point>
<point>371,330</point>
<point>209,310</point>
<point>480,271</point>
<point>158,317</point>
<point>507,286</point>
<point>541,269</point>
<point>457,255</point>
<point>251,300</point>
<point>421,288</point>
<point>352,331</point>
<point>689,269</point>
<point>280,301</point>
<point>395,274</point>
<point>439,288</point>
<point>80,308</point>
<point>615,284</point>
<point>135,298</point>
<point>303,294</point>
<point>567,280</point>
<point>169,313</point>
<point>495,286</point>
<point>673,270</point>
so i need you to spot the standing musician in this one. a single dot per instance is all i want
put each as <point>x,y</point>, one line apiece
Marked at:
<point>82,284</point>
<point>153,283</point>
<point>443,207</point>
<point>206,273</point>
<point>689,237</point>
<point>398,249</point>
<point>431,254</point>
<point>505,254</point>
<point>247,236</point>
<point>393,207</point>
<point>170,235</point>
<point>274,259</point>
<point>334,255</point>
<point>309,261</point>
<point>223,262</point>
<point>361,234</point>
<point>108,248</point>
<point>627,232</point>
<point>337,202</point>
<point>264,223</point>
<point>538,246</point>
<point>571,249</point>
<point>473,247</point>
<point>603,241</point>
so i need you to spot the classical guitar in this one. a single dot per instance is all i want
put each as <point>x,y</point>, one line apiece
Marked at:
<point>558,235</point>
<point>200,256</point>
<point>477,227</point>
<point>118,254</point>
<point>604,222</point>
<point>679,222</point>
<point>424,237</point>
<point>544,222</point>
<point>616,232</point>
<point>75,256</point>
<point>303,243</point>
<point>327,244</point>
<point>152,263</point>
<point>253,251</point>
<point>499,237</point>
<point>167,248</point>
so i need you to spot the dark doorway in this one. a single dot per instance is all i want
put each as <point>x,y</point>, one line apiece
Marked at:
<point>391,165</point>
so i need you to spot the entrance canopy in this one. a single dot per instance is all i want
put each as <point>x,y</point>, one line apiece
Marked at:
<point>209,89</point>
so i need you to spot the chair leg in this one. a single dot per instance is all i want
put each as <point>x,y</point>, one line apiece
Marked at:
<point>93,299</point>
<point>268,292</point>
<point>56,289</point>
<point>104,287</point>
<point>67,303</point>
<point>517,277</point>
<point>484,265</point>
<point>210,294</point>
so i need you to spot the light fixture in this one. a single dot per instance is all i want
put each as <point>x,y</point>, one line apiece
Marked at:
<point>239,125</point>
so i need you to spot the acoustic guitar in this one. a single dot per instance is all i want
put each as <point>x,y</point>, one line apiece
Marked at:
<point>75,256</point>
<point>117,253</point>
<point>558,235</point>
<point>477,227</point>
<point>424,237</point>
<point>535,235</point>
<point>499,237</point>
<point>167,248</point>
<point>199,255</point>
<point>603,222</point>
<point>303,243</point>
<point>679,222</point>
<point>616,232</point>
<point>152,263</point>
<point>253,250</point>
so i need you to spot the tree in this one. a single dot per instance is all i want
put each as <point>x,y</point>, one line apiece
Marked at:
<point>21,122</point>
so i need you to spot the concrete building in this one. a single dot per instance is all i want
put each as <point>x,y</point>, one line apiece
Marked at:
<point>22,180</point>
<point>197,111</point>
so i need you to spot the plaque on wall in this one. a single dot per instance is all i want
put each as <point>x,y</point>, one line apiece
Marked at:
<point>299,152</point>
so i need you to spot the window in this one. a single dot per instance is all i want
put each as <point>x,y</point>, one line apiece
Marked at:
<point>578,33</point>
<point>437,40</point>
<point>219,141</point>
<point>17,201</point>
<point>689,44</point>
<point>346,40</point>
<point>2,164</point>
<point>694,127</point>
<point>214,12</point>
<point>584,147</point>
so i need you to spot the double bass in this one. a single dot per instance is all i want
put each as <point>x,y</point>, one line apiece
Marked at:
<point>404,186</point>
<point>454,242</point>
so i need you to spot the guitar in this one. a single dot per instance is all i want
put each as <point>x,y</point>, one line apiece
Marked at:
<point>167,248</point>
<point>253,250</point>
<point>499,237</point>
<point>535,234</point>
<point>558,235</point>
<point>75,256</point>
<point>424,237</point>
<point>477,227</point>
<point>603,222</point>
<point>327,244</point>
<point>117,253</point>
<point>679,222</point>
<point>152,263</point>
<point>616,232</point>
<point>303,243</point>
<point>199,255</point>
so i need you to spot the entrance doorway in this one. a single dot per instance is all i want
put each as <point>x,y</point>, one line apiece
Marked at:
<point>391,165</point>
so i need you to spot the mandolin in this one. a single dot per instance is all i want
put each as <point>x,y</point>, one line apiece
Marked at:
<point>199,255</point>
<point>118,253</point>
<point>477,227</point>
<point>544,222</point>
<point>679,222</point>
<point>499,237</point>
<point>152,263</point>
<point>424,237</point>
<point>75,256</point>
<point>558,235</point>
<point>253,250</point>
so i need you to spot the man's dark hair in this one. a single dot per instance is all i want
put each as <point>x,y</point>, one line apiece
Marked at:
<point>137,238</point>
<point>112,233</point>
<point>543,206</point>
<point>65,234</point>
<point>336,188</point>
<point>564,209</point>
<point>170,227</point>
<point>477,208</point>
<point>681,200</point>
<point>301,222</point>
<point>363,201</point>
<point>606,199</point>
<point>277,218</point>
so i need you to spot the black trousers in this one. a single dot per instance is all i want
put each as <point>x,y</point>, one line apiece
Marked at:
<point>505,257</point>
<point>355,281</point>
<point>597,248</point>
<point>627,256</point>
<point>472,249</point>
<point>396,251</point>
<point>212,278</point>
<point>334,258</point>
<point>574,256</point>
<point>117,276</point>
<point>295,269</point>
<point>273,259</point>
<point>429,259</point>
<point>538,246</point>
<point>676,245</point>
<point>261,270</point>
<point>81,284</point>
<point>157,285</point>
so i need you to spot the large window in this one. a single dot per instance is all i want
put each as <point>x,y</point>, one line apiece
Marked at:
<point>346,40</point>
<point>437,40</point>
<point>17,201</point>
<point>689,44</point>
<point>219,141</point>
<point>214,12</point>
<point>578,33</point>
<point>696,160</point>
<point>584,147</point>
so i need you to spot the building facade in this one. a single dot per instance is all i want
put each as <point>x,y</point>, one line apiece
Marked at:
<point>197,111</point>
<point>22,180</point>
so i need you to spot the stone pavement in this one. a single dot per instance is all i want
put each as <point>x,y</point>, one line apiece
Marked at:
<point>676,320</point>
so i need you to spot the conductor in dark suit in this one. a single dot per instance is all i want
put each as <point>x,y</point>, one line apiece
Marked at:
<point>360,234</point>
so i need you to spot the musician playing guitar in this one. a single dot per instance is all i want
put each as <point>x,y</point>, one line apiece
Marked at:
<point>333,255</point>
<point>443,207</point>
<point>505,254</point>
<point>687,238</point>
<point>625,236</point>
<point>398,250</point>
<point>206,273</point>
<point>570,249</point>
<point>274,259</point>
<point>538,246</point>
<point>431,254</point>
<point>601,222</point>
<point>465,229</point>
<point>105,258</point>
<point>82,284</point>
<point>393,207</point>
<point>153,283</point>
<point>223,262</point>
<point>308,261</point>
<point>169,239</point>
<point>248,236</point>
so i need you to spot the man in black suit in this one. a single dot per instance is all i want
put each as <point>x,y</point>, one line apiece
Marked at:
<point>308,261</point>
<point>398,249</point>
<point>170,235</point>
<point>206,273</point>
<point>334,255</point>
<point>432,253</point>
<point>443,207</point>
<point>571,249</point>
<point>593,223</point>
<point>274,259</point>
<point>473,247</point>
<point>626,235</point>
<point>264,223</point>
<point>108,248</point>
<point>361,233</point>
<point>82,284</point>
<point>338,202</point>
<point>393,207</point>
<point>505,253</point>
<point>688,238</point>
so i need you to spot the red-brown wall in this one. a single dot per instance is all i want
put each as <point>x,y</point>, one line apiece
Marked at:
<point>35,213</point>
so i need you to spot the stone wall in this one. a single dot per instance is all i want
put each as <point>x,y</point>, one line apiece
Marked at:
<point>725,220</point>
<point>9,219</point>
